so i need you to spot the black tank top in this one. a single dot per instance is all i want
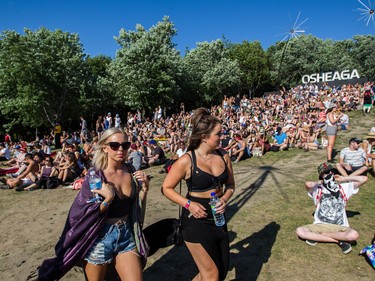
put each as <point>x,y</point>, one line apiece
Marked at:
<point>122,207</point>
<point>202,181</point>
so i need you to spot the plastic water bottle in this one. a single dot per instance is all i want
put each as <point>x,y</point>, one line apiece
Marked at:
<point>219,218</point>
<point>95,183</point>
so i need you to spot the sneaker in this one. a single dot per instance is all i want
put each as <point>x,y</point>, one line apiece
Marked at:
<point>346,248</point>
<point>311,242</point>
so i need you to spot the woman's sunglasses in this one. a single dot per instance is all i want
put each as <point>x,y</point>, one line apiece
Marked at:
<point>116,145</point>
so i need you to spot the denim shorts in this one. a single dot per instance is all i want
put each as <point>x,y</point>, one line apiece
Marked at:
<point>114,239</point>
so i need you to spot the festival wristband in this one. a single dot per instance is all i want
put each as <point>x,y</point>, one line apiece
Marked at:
<point>105,204</point>
<point>187,204</point>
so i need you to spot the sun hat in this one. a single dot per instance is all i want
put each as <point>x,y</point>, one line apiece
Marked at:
<point>370,135</point>
<point>306,128</point>
<point>324,168</point>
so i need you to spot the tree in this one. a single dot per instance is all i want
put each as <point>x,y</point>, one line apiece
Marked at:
<point>363,52</point>
<point>292,59</point>
<point>41,76</point>
<point>253,62</point>
<point>210,72</point>
<point>147,67</point>
<point>98,96</point>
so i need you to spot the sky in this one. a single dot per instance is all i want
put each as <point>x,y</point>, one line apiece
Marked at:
<point>97,22</point>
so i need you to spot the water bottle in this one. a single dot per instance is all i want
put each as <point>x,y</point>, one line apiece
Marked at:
<point>218,218</point>
<point>95,183</point>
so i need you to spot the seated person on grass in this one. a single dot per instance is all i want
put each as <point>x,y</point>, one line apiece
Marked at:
<point>369,147</point>
<point>353,160</point>
<point>18,156</point>
<point>27,177</point>
<point>67,170</point>
<point>43,176</point>
<point>157,154</point>
<point>4,152</point>
<point>330,195</point>
<point>280,140</point>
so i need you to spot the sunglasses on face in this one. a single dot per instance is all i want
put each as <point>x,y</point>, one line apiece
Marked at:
<point>116,145</point>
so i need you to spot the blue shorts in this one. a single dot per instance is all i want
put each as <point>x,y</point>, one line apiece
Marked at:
<point>114,239</point>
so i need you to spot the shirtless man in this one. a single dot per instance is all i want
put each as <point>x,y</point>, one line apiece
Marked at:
<point>27,177</point>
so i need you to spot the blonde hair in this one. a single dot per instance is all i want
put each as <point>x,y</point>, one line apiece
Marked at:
<point>100,158</point>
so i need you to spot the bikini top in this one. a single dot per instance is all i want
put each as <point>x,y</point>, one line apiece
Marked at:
<point>201,181</point>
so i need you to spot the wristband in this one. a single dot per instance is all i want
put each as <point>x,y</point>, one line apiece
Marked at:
<point>187,204</point>
<point>105,204</point>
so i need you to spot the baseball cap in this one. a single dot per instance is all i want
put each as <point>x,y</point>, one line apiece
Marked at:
<point>153,142</point>
<point>17,147</point>
<point>355,140</point>
<point>324,168</point>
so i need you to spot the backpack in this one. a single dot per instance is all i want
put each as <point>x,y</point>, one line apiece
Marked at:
<point>52,182</point>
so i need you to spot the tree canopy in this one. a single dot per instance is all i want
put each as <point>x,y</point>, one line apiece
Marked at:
<point>42,74</point>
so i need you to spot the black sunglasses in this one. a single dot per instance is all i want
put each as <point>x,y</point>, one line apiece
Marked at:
<point>116,145</point>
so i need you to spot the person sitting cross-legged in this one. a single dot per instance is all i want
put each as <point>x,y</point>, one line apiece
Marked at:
<point>353,160</point>
<point>330,195</point>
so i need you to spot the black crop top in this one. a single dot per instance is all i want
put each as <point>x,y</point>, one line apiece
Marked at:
<point>121,207</point>
<point>202,181</point>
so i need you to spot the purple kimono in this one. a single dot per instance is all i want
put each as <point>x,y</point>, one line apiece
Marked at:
<point>81,230</point>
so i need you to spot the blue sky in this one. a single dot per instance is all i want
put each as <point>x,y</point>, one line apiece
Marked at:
<point>98,21</point>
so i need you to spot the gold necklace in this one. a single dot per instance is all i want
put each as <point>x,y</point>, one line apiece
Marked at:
<point>204,158</point>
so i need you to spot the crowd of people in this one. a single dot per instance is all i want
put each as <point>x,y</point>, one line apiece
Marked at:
<point>306,117</point>
<point>204,143</point>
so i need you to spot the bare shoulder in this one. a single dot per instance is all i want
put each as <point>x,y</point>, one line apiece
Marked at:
<point>184,160</point>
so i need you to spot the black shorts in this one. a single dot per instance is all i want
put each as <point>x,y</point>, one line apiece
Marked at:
<point>214,239</point>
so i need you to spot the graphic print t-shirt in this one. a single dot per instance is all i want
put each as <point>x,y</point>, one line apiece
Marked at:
<point>329,208</point>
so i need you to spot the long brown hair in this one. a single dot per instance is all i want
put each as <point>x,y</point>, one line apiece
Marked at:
<point>202,123</point>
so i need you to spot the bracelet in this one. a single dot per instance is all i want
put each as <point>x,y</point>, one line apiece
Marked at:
<point>105,204</point>
<point>187,205</point>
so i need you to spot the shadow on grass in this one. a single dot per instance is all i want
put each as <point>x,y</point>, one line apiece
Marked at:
<point>247,256</point>
<point>351,214</point>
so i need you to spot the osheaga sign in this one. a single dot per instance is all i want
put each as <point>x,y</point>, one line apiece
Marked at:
<point>330,76</point>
